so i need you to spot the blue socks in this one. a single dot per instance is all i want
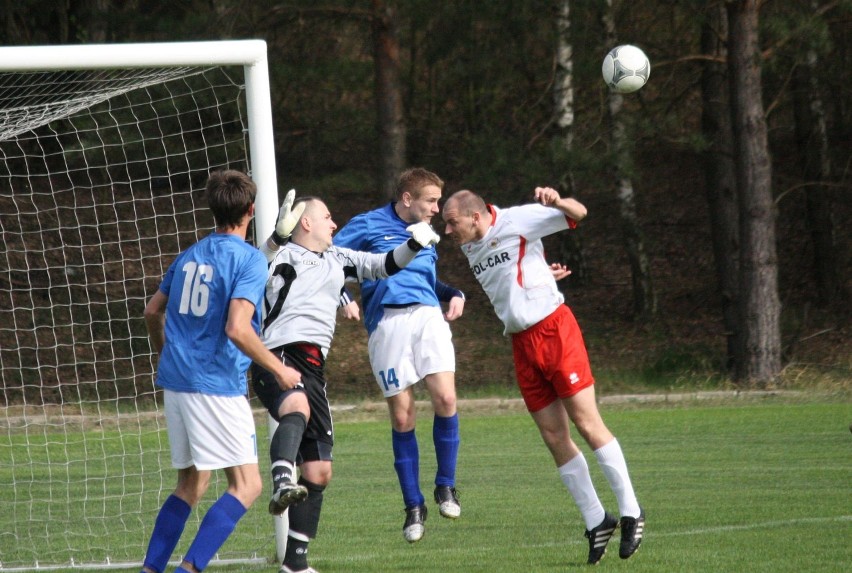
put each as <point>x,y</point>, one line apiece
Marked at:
<point>217,525</point>
<point>167,531</point>
<point>445,434</point>
<point>407,464</point>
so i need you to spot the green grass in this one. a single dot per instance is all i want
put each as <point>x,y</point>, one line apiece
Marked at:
<point>747,486</point>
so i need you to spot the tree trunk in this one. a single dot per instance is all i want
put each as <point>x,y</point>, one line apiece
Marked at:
<point>759,354</point>
<point>644,296</point>
<point>390,119</point>
<point>570,244</point>
<point>719,168</point>
<point>812,139</point>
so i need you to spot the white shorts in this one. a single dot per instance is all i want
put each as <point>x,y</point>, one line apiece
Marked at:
<point>408,344</point>
<point>210,432</point>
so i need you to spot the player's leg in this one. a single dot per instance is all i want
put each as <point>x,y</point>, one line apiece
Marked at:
<point>244,487</point>
<point>291,410</point>
<point>574,383</point>
<point>434,358</point>
<point>584,412</point>
<point>172,517</point>
<point>406,453</point>
<point>293,415</point>
<point>191,485</point>
<point>554,426</point>
<point>304,517</point>
<point>539,358</point>
<point>223,436</point>
<point>446,438</point>
<point>315,458</point>
<point>391,359</point>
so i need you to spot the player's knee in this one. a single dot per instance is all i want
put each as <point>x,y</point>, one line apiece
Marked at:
<point>445,404</point>
<point>321,476</point>
<point>594,432</point>
<point>250,490</point>
<point>443,399</point>
<point>402,422</point>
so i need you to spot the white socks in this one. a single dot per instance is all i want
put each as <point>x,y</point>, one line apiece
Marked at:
<point>611,459</point>
<point>575,476</point>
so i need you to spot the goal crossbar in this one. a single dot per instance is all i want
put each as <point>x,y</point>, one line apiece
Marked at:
<point>139,55</point>
<point>251,54</point>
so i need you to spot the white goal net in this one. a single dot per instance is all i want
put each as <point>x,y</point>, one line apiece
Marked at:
<point>102,172</point>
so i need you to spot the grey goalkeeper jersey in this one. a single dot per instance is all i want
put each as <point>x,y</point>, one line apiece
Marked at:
<point>303,292</point>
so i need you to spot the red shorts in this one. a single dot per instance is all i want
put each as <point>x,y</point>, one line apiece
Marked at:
<point>551,360</point>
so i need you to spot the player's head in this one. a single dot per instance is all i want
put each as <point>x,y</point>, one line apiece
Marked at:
<point>417,194</point>
<point>466,217</point>
<point>230,195</point>
<point>315,226</point>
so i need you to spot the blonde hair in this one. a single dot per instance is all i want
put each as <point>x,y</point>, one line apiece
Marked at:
<point>413,180</point>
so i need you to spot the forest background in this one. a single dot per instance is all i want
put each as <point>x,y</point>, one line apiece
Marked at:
<point>477,92</point>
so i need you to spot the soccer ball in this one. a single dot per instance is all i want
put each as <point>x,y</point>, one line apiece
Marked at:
<point>626,69</point>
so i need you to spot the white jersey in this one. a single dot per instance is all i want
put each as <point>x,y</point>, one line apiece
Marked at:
<point>509,263</point>
<point>303,292</point>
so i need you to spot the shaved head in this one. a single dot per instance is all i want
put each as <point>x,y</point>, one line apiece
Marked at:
<point>466,217</point>
<point>466,202</point>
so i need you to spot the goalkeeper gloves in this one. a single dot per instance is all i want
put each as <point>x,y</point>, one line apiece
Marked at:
<point>422,235</point>
<point>288,218</point>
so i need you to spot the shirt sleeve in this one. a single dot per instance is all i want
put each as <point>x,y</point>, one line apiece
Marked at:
<point>445,292</point>
<point>251,278</point>
<point>353,234</point>
<point>166,283</point>
<point>534,221</point>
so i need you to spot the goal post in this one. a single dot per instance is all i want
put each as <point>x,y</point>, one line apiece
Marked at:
<point>104,153</point>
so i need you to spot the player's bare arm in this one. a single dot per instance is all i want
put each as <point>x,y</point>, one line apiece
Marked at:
<point>571,207</point>
<point>242,334</point>
<point>155,320</point>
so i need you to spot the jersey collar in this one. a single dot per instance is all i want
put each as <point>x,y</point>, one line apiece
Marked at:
<point>493,212</point>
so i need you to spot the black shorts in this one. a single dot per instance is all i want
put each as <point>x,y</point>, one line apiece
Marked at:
<point>318,438</point>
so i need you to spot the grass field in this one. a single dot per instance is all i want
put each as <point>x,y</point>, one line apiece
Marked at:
<point>747,486</point>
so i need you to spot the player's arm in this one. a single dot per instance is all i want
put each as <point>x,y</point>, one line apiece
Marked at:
<point>288,216</point>
<point>453,297</point>
<point>422,236</point>
<point>155,320</point>
<point>569,206</point>
<point>348,305</point>
<point>241,332</point>
<point>382,265</point>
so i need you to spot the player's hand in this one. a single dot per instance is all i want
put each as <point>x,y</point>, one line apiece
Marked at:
<point>288,216</point>
<point>288,378</point>
<point>559,271</point>
<point>455,308</point>
<point>423,234</point>
<point>546,195</point>
<point>352,311</point>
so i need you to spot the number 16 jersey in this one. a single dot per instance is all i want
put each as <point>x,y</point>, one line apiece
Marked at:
<point>201,282</point>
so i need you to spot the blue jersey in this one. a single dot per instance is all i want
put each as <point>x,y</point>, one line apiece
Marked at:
<point>379,231</point>
<point>198,356</point>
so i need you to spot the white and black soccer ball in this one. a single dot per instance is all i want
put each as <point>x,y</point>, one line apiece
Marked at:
<point>626,69</point>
